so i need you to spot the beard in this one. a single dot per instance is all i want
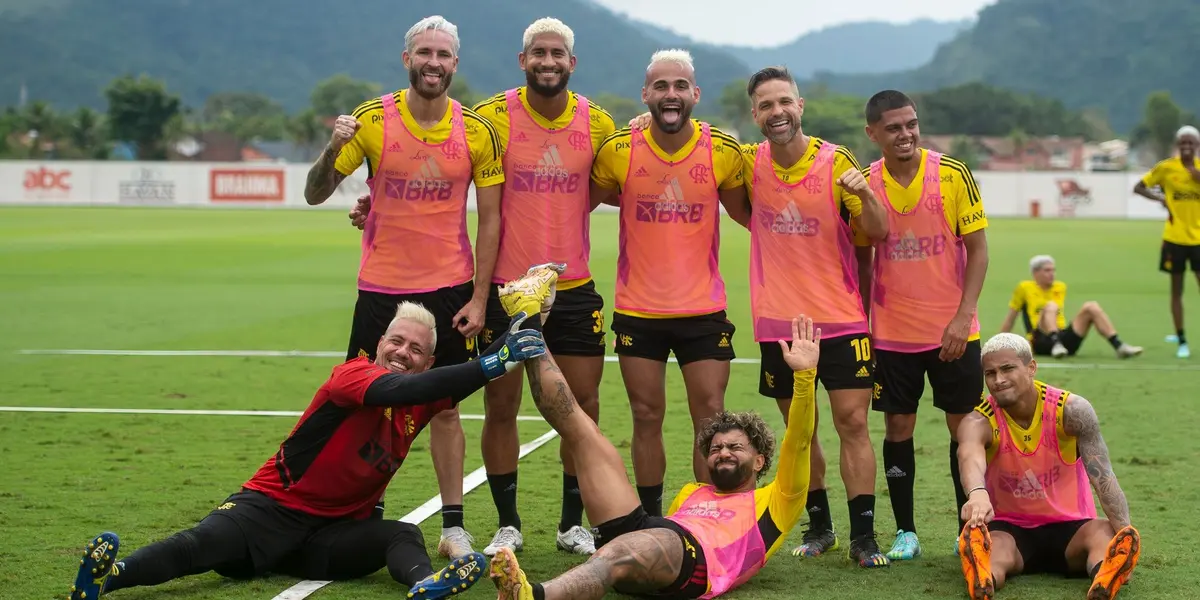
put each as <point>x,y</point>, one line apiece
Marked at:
<point>684,110</point>
<point>425,91</point>
<point>537,87</point>
<point>725,479</point>
<point>783,138</point>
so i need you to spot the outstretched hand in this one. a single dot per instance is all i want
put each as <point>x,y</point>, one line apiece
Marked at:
<point>805,348</point>
<point>360,210</point>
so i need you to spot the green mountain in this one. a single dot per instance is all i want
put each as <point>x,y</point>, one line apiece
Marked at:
<point>1101,54</point>
<point>66,51</point>
<point>861,47</point>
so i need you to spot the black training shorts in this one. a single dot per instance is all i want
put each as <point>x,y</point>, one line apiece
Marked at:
<point>701,337</point>
<point>900,380</point>
<point>575,326</point>
<point>374,311</point>
<point>692,581</point>
<point>1044,548</point>
<point>845,364</point>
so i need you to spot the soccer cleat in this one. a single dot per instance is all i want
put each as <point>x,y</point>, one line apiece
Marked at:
<point>1059,350</point>
<point>95,566</point>
<point>455,542</point>
<point>1172,339</point>
<point>1183,351</point>
<point>864,550</point>
<point>906,546</point>
<point>510,580</point>
<point>816,543</point>
<point>454,578</point>
<point>506,537</point>
<point>1127,351</point>
<point>532,294</point>
<point>1119,561</point>
<point>975,553</point>
<point>576,540</point>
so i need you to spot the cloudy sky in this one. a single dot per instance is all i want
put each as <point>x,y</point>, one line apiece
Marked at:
<point>774,22</point>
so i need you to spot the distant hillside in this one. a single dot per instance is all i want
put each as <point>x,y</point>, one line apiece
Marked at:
<point>1106,54</point>
<point>862,47</point>
<point>66,51</point>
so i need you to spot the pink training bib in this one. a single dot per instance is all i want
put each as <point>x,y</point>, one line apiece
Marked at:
<point>726,527</point>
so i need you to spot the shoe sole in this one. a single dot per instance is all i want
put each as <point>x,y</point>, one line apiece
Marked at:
<point>1128,553</point>
<point>98,558</point>
<point>800,553</point>
<point>980,590</point>
<point>465,573</point>
<point>507,584</point>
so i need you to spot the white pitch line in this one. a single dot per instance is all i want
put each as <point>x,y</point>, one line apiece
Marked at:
<point>1123,366</point>
<point>185,411</point>
<point>473,480</point>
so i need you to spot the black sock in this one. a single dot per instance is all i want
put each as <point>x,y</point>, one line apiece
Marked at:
<point>504,494</point>
<point>378,512</point>
<point>1115,340</point>
<point>452,516</point>
<point>1179,334</point>
<point>572,504</point>
<point>899,467</point>
<point>862,515</point>
<point>1053,335</point>
<point>651,496</point>
<point>960,496</point>
<point>539,592</point>
<point>1095,569</point>
<point>817,506</point>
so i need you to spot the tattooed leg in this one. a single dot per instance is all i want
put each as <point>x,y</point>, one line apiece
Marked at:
<point>634,563</point>
<point>603,482</point>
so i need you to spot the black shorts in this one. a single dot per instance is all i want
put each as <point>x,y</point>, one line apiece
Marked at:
<point>374,311</point>
<point>1042,344</point>
<point>1175,258</point>
<point>290,542</point>
<point>575,326</point>
<point>701,337</point>
<point>900,381</point>
<point>845,364</point>
<point>1043,549</point>
<point>692,581</point>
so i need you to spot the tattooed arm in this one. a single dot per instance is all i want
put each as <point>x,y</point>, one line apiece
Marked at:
<point>1080,421</point>
<point>323,178</point>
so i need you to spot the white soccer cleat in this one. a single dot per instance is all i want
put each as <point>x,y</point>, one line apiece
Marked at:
<point>1127,351</point>
<point>455,543</point>
<point>576,540</point>
<point>1059,350</point>
<point>507,537</point>
<point>1183,351</point>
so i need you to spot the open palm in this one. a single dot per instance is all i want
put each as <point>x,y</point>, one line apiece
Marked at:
<point>805,348</point>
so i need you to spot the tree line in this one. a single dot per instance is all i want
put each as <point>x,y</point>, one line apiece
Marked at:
<point>148,117</point>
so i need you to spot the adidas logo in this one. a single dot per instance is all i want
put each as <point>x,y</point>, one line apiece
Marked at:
<point>791,221</point>
<point>521,137</point>
<point>895,472</point>
<point>862,372</point>
<point>430,170</point>
<point>551,164</point>
<point>641,172</point>
<point>673,191</point>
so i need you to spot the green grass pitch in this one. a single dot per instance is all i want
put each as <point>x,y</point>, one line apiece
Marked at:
<point>141,279</point>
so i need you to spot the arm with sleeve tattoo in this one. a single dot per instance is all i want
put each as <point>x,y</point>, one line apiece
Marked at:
<point>323,178</point>
<point>1080,420</point>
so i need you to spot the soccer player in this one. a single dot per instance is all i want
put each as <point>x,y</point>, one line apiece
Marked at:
<point>1179,178</point>
<point>309,510</point>
<point>811,207</point>
<point>924,301</point>
<point>1027,454</point>
<point>423,151</point>
<point>670,182</point>
<point>548,137</point>
<point>717,535</point>
<point>1040,302</point>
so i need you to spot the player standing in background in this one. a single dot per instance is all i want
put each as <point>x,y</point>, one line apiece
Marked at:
<point>548,136</point>
<point>1179,178</point>
<point>924,301</point>
<point>811,207</point>
<point>423,150</point>
<point>670,183</point>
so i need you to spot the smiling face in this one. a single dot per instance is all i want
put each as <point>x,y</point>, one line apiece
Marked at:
<point>431,64</point>
<point>670,93</point>
<point>547,64</point>
<point>1187,147</point>
<point>777,109</point>
<point>406,348</point>
<point>897,133</point>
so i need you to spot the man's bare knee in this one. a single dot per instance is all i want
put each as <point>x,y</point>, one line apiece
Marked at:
<point>850,414</point>
<point>647,412</point>
<point>899,427</point>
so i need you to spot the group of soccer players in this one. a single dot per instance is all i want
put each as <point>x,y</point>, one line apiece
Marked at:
<point>866,280</point>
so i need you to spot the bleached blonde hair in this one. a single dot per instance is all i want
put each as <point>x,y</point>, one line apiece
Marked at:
<point>1187,130</point>
<point>1008,341</point>
<point>1040,261</point>
<point>678,56</point>
<point>549,25</point>
<point>417,313</point>
<point>434,23</point>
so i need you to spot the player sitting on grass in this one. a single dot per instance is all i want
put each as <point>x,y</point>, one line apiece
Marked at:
<point>1041,302</point>
<point>716,536</point>
<point>1026,456</point>
<point>307,511</point>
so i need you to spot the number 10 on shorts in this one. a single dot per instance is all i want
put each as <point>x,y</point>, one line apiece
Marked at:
<point>862,349</point>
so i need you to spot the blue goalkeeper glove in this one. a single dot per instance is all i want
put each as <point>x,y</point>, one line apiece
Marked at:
<point>519,345</point>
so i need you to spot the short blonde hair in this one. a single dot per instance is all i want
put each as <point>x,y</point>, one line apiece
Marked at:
<point>417,313</point>
<point>1040,261</point>
<point>678,56</point>
<point>549,25</point>
<point>434,23</point>
<point>1008,341</point>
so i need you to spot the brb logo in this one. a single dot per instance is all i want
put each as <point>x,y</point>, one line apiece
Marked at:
<point>911,247</point>
<point>668,207</point>
<point>427,186</point>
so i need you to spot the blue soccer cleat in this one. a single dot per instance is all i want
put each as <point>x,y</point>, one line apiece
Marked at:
<point>95,566</point>
<point>455,578</point>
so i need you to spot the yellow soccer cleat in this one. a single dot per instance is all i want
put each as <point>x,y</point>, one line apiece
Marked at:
<point>510,580</point>
<point>1122,556</point>
<point>533,293</point>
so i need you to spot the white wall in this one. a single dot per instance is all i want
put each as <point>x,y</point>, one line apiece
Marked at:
<point>1087,195</point>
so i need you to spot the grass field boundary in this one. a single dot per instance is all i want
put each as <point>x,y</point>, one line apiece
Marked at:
<point>188,411</point>
<point>1130,365</point>
<point>418,515</point>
